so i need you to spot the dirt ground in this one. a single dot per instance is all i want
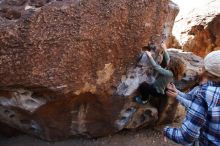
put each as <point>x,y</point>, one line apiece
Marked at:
<point>143,137</point>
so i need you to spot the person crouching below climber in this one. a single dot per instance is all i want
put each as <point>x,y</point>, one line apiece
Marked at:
<point>175,70</point>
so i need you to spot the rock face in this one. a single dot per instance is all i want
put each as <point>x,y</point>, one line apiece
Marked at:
<point>199,31</point>
<point>173,43</point>
<point>69,68</point>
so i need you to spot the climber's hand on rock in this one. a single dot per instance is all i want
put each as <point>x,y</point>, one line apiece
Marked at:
<point>149,53</point>
<point>163,45</point>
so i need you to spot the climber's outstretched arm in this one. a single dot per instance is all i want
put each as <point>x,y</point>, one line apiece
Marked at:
<point>157,67</point>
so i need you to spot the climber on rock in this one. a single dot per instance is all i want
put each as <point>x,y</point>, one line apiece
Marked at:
<point>202,121</point>
<point>163,57</point>
<point>175,68</point>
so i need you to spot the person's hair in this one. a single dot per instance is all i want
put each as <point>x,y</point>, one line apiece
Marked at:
<point>149,47</point>
<point>177,65</point>
<point>211,77</point>
<point>164,63</point>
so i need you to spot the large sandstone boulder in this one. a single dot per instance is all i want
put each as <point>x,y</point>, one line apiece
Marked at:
<point>70,68</point>
<point>199,31</point>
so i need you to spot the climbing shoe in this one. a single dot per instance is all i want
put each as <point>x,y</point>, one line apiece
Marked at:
<point>140,101</point>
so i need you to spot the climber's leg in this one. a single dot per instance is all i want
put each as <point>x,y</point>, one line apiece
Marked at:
<point>146,90</point>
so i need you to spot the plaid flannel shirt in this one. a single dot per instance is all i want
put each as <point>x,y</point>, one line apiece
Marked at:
<point>202,120</point>
<point>186,98</point>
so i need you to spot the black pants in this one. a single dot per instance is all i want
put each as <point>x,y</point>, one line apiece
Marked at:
<point>145,90</point>
<point>159,100</point>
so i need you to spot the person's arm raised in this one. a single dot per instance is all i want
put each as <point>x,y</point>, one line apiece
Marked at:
<point>157,67</point>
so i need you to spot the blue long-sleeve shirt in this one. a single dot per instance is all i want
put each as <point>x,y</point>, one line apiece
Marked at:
<point>186,98</point>
<point>202,120</point>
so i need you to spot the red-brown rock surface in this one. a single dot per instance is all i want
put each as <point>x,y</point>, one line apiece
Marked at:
<point>68,67</point>
<point>199,31</point>
<point>173,43</point>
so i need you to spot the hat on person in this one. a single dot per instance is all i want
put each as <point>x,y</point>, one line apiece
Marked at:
<point>212,63</point>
